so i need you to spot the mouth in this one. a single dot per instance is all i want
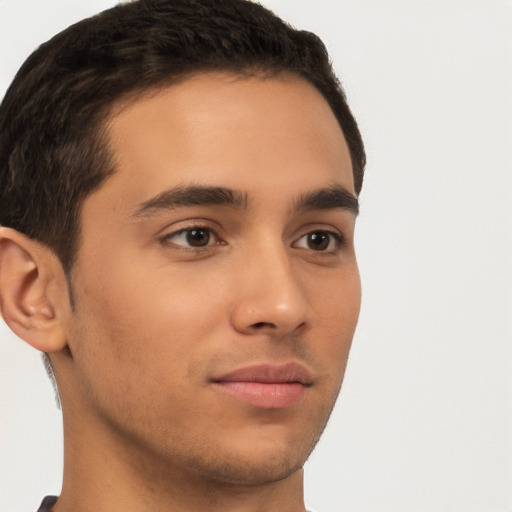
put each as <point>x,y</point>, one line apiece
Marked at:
<point>266,386</point>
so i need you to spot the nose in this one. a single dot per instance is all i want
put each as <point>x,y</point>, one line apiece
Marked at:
<point>270,299</point>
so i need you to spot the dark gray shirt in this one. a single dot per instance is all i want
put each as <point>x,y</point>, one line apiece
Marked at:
<point>47,504</point>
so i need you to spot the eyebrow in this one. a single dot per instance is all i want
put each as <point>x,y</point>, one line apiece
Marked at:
<point>329,198</point>
<point>192,196</point>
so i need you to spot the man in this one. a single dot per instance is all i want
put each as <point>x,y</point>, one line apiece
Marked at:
<point>179,187</point>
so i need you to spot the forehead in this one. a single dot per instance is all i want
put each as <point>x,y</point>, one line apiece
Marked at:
<point>218,128</point>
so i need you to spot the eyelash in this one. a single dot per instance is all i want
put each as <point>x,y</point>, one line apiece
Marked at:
<point>166,239</point>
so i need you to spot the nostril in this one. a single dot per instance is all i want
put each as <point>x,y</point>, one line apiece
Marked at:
<point>260,325</point>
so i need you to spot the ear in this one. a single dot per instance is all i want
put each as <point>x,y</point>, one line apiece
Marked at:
<point>32,302</point>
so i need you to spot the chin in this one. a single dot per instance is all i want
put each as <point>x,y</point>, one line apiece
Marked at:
<point>248,472</point>
<point>255,461</point>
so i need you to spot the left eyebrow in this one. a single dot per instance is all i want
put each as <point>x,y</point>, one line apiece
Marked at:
<point>328,198</point>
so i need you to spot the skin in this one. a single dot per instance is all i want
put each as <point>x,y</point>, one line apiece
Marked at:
<point>156,319</point>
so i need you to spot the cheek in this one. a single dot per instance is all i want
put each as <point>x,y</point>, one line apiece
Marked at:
<point>134,350</point>
<point>337,299</point>
<point>148,320</point>
<point>337,309</point>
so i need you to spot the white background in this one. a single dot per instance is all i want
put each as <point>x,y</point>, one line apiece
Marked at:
<point>424,421</point>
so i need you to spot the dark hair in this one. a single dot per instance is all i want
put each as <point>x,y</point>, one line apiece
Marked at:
<point>53,150</point>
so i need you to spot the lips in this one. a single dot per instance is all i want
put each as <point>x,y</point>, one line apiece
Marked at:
<point>266,386</point>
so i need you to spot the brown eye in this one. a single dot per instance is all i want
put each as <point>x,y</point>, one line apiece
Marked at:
<point>198,237</point>
<point>319,241</point>
<point>192,238</point>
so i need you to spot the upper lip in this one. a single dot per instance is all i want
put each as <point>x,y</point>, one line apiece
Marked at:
<point>268,374</point>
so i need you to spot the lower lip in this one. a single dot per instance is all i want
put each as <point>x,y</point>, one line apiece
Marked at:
<point>265,395</point>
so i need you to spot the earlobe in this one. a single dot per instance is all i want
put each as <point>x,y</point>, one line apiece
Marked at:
<point>29,292</point>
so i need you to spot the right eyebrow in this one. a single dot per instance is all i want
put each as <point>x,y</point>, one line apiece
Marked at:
<point>192,196</point>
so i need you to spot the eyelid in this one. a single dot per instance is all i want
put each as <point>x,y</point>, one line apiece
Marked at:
<point>314,227</point>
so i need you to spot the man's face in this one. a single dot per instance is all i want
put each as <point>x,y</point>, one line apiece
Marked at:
<point>216,285</point>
